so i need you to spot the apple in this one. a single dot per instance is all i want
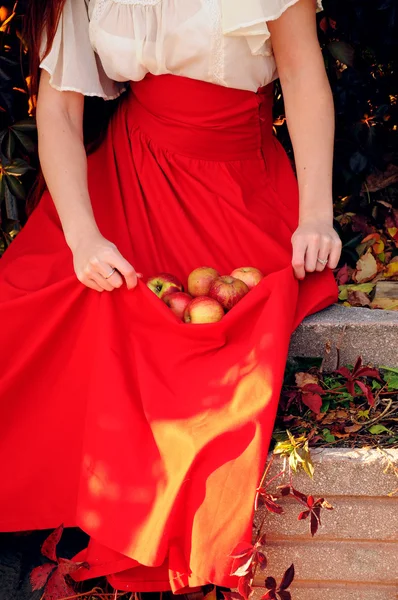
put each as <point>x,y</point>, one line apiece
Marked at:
<point>228,291</point>
<point>200,280</point>
<point>177,302</point>
<point>203,310</point>
<point>249,275</point>
<point>164,283</point>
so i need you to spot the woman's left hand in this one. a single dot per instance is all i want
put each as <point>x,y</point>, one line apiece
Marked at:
<point>314,239</point>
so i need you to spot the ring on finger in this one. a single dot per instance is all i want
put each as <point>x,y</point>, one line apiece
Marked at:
<point>323,262</point>
<point>110,274</point>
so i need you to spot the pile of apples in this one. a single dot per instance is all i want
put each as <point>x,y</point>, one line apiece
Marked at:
<point>209,295</point>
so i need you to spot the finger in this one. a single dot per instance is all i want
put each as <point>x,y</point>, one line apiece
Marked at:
<point>335,254</point>
<point>299,248</point>
<point>104,269</point>
<point>323,254</point>
<point>90,283</point>
<point>312,254</point>
<point>101,281</point>
<point>126,269</point>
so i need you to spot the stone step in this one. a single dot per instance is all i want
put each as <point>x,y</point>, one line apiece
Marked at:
<point>354,554</point>
<point>352,518</point>
<point>340,591</point>
<point>371,333</point>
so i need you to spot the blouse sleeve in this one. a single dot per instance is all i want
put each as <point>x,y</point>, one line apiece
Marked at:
<point>249,19</point>
<point>72,63</point>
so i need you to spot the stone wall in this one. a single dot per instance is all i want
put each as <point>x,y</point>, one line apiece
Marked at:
<point>354,554</point>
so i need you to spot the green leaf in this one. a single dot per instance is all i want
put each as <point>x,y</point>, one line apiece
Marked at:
<point>343,52</point>
<point>11,206</point>
<point>375,385</point>
<point>392,380</point>
<point>17,168</point>
<point>391,369</point>
<point>2,187</point>
<point>328,437</point>
<point>325,405</point>
<point>9,144</point>
<point>16,188</point>
<point>26,125</point>
<point>363,413</point>
<point>25,141</point>
<point>366,288</point>
<point>377,429</point>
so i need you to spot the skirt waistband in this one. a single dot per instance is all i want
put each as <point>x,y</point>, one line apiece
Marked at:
<point>201,119</point>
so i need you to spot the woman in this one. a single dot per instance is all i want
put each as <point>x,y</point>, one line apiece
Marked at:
<point>150,434</point>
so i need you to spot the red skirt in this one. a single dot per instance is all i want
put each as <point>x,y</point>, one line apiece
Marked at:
<point>149,434</point>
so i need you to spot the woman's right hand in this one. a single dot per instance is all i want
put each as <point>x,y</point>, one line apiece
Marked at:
<point>94,257</point>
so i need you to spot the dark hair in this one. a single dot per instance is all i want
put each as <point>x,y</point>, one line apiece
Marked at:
<point>42,18</point>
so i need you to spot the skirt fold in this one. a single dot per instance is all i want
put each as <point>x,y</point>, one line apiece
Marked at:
<point>150,434</point>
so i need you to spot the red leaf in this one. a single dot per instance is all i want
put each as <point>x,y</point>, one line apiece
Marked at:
<point>303,515</point>
<point>323,24</point>
<point>358,364</point>
<point>314,524</point>
<point>57,588</point>
<point>261,540</point>
<point>368,372</point>
<point>313,401</point>
<point>49,546</point>
<point>310,501</point>
<point>262,559</point>
<point>242,549</point>
<point>272,506</point>
<point>66,566</point>
<point>241,566</point>
<point>38,576</point>
<point>350,388</point>
<point>317,511</point>
<point>285,595</point>
<point>231,595</point>
<point>344,372</point>
<point>313,387</point>
<point>244,587</point>
<point>367,391</point>
<point>299,495</point>
<point>287,578</point>
<point>284,489</point>
<point>343,275</point>
<point>270,583</point>
<point>270,595</point>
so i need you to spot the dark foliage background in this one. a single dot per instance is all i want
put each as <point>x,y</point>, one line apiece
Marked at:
<point>360,45</point>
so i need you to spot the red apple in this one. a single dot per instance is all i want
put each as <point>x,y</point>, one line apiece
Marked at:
<point>249,275</point>
<point>164,283</point>
<point>203,310</point>
<point>177,302</point>
<point>200,280</point>
<point>228,291</point>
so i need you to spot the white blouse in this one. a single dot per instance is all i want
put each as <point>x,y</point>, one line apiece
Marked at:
<point>99,44</point>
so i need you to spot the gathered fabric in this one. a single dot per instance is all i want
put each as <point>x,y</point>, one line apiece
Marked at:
<point>100,44</point>
<point>150,434</point>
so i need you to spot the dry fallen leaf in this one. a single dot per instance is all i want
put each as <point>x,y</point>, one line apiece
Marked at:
<point>392,268</point>
<point>344,290</point>
<point>366,268</point>
<point>352,428</point>
<point>385,303</point>
<point>303,378</point>
<point>357,298</point>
